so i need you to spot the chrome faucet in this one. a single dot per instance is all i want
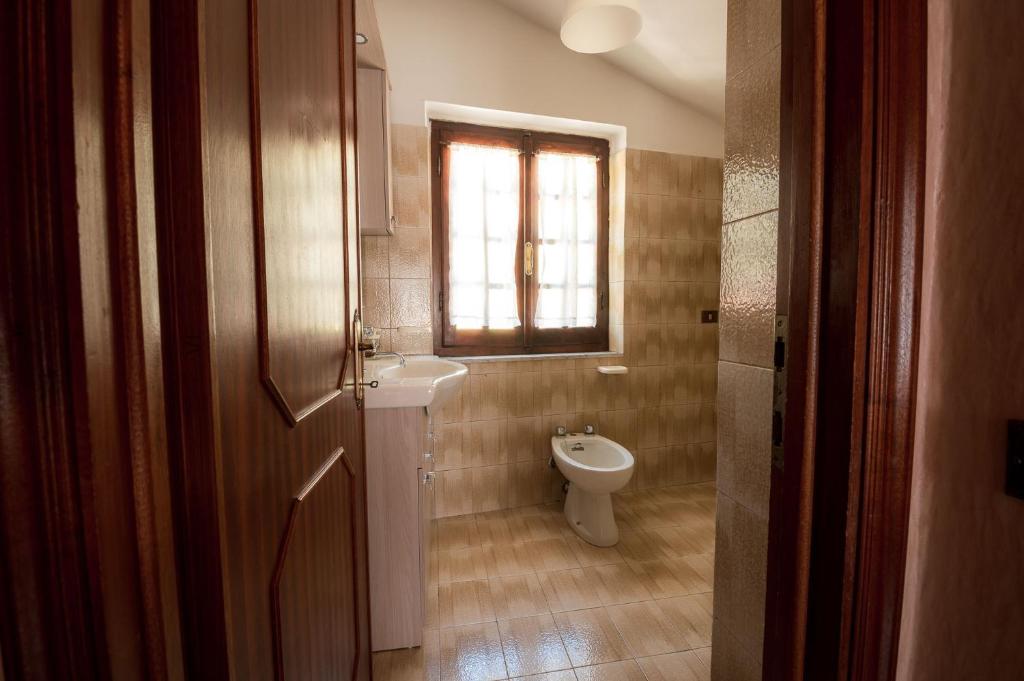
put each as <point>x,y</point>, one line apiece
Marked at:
<point>400,356</point>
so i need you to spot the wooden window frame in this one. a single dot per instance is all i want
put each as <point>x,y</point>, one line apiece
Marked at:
<point>526,339</point>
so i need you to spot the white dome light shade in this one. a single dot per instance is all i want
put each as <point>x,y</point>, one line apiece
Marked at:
<point>592,26</point>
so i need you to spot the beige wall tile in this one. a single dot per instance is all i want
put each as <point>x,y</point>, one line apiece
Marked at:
<point>650,259</point>
<point>487,443</point>
<point>636,172</point>
<point>651,428</point>
<point>374,250</point>
<point>450,446</point>
<point>747,316</point>
<point>741,546</point>
<point>650,467</point>
<point>526,439</point>
<point>489,396</point>
<point>411,201</point>
<point>410,150</point>
<point>754,28</point>
<point>490,488</point>
<point>409,253</point>
<point>752,104</point>
<point>523,394</point>
<point>620,425</point>
<point>454,492</point>
<point>377,303</point>
<point>744,434</point>
<point>732,660</point>
<point>526,483</point>
<point>410,302</point>
<point>413,340</point>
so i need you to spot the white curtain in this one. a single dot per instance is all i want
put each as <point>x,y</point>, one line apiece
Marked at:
<point>566,241</point>
<point>483,225</point>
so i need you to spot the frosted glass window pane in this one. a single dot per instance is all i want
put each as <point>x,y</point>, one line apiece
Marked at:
<point>483,226</point>
<point>566,241</point>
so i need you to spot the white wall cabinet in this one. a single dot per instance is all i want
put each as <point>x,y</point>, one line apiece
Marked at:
<point>373,120</point>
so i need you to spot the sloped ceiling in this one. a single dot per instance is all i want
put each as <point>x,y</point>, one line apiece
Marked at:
<point>680,51</point>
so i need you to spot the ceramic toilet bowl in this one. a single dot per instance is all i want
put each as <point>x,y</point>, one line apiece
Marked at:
<point>595,467</point>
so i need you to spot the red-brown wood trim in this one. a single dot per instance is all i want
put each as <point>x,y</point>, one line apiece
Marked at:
<point>51,626</point>
<point>76,474</point>
<point>186,321</point>
<point>853,164</point>
<point>898,210</point>
<point>260,237</point>
<point>128,322</point>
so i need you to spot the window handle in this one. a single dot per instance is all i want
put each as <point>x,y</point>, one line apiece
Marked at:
<point>528,259</point>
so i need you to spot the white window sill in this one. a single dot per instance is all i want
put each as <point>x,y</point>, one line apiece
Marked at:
<point>472,359</point>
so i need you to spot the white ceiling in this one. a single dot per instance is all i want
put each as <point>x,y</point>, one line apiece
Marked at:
<point>680,51</point>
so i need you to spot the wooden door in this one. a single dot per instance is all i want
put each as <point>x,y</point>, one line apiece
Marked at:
<point>256,211</point>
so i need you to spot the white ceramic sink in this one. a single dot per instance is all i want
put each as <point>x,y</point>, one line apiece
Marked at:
<point>423,382</point>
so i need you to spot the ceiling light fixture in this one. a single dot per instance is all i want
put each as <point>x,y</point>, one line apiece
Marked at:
<point>361,39</point>
<point>592,26</point>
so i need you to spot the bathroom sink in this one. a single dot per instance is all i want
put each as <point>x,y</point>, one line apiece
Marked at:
<point>423,382</point>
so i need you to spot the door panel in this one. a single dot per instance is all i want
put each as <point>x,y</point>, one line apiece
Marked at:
<point>271,480</point>
<point>297,146</point>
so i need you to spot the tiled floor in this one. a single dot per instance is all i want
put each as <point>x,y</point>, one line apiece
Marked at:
<point>515,594</point>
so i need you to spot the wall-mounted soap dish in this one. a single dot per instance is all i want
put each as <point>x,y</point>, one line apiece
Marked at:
<point>613,369</point>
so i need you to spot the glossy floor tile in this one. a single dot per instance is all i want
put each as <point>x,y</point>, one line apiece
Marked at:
<point>515,594</point>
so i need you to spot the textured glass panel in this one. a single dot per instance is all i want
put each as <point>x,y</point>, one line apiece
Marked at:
<point>566,241</point>
<point>483,226</point>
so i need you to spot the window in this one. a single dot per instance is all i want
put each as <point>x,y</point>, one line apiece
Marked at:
<point>520,241</point>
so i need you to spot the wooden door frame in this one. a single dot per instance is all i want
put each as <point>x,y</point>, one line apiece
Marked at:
<point>851,207</point>
<point>85,590</point>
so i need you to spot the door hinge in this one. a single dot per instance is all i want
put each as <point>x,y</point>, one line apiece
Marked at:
<point>779,392</point>
<point>440,301</point>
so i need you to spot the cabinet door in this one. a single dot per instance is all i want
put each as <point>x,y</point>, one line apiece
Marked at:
<point>374,143</point>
